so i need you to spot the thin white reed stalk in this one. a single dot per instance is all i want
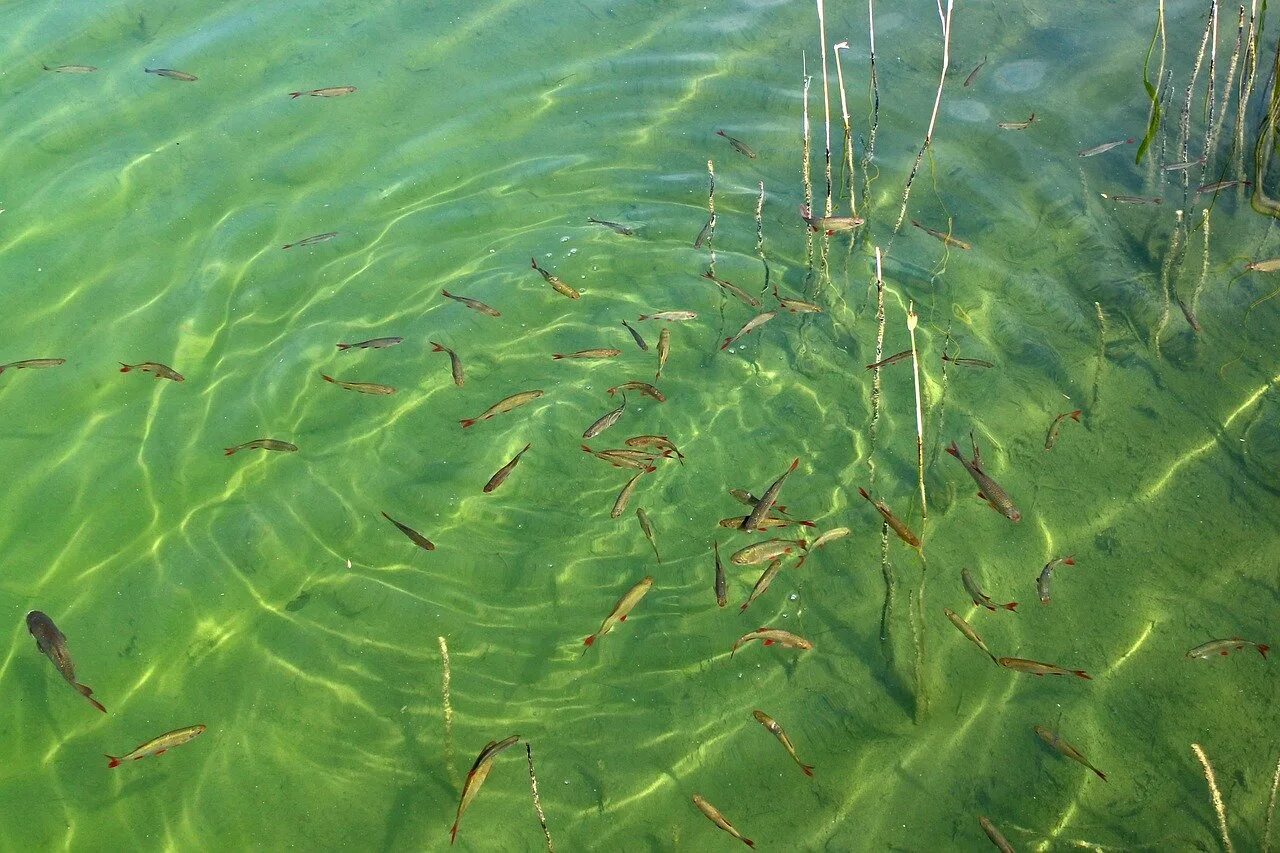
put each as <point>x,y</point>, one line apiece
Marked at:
<point>826,94</point>
<point>848,133</point>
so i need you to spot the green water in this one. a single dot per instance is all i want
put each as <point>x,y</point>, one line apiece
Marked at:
<point>143,222</point>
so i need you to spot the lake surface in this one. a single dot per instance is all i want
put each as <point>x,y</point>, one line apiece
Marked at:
<point>265,596</point>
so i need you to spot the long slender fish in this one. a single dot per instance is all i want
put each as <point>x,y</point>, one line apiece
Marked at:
<point>624,457</point>
<point>455,363</point>
<point>751,325</point>
<point>647,527</point>
<point>414,536</point>
<point>1035,667</point>
<point>640,342</point>
<point>705,232</point>
<point>172,74</point>
<point>1186,164</point>
<point>1208,650</point>
<point>1105,147</point>
<point>70,69</point>
<point>763,552</point>
<point>158,745</point>
<point>624,496</point>
<point>947,239</point>
<point>795,306</point>
<point>966,362</point>
<point>1218,186</point>
<point>473,304</point>
<point>502,473</point>
<point>620,610</point>
<point>973,75</point>
<point>713,814</point>
<point>829,224</point>
<point>979,597</point>
<point>671,316</point>
<point>769,636</point>
<point>1269,265</point>
<point>606,420</point>
<point>476,776</point>
<point>721,586</point>
<point>772,725</point>
<point>33,363</point>
<point>589,353</point>
<point>311,241</point>
<point>770,497</point>
<point>967,629</point>
<point>738,145</point>
<point>730,287</point>
<point>327,92</point>
<point>556,284</point>
<point>1055,740</point>
<point>896,524</point>
<point>990,491</point>
<point>1132,199</point>
<point>373,343</point>
<point>643,387</point>
<point>360,387</point>
<point>1002,844</point>
<point>624,230</point>
<point>161,371</point>
<point>1051,438</point>
<point>762,584</point>
<point>1016,125</point>
<point>1046,575</point>
<point>506,404</point>
<point>893,359</point>
<point>664,350</point>
<point>734,522</point>
<point>264,444</point>
<point>52,643</point>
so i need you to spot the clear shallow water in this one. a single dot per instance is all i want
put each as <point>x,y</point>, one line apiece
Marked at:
<point>143,221</point>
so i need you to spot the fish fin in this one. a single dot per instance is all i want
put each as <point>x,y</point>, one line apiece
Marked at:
<point>1263,648</point>
<point>534,261</point>
<point>342,347</point>
<point>863,492</point>
<point>622,618</point>
<point>721,133</point>
<point>467,422</point>
<point>748,842</point>
<point>1075,416</point>
<point>1069,561</point>
<point>453,833</point>
<point>327,378</point>
<point>807,768</point>
<point>650,470</point>
<point>112,761</point>
<point>557,357</point>
<point>229,451</point>
<point>87,692</point>
<point>435,347</point>
<point>804,546</point>
<point>954,450</point>
<point>160,752</point>
<point>806,524</point>
<point>726,343</point>
<point>1080,673</point>
<point>1012,607</point>
<point>795,463</point>
<point>295,94</point>
<point>1223,653</point>
<point>1101,775</point>
<point>768,642</point>
<point>589,640</point>
<point>124,368</point>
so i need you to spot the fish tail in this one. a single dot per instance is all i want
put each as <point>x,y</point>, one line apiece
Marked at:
<point>290,246</point>
<point>295,94</point>
<point>806,524</point>
<point>1263,648</point>
<point>87,692</point>
<point>1080,673</point>
<point>1075,416</point>
<point>125,368</point>
<point>1069,561</point>
<point>748,842</point>
<point>435,347</point>
<point>954,450</point>
<point>721,133</point>
<point>534,261</point>
<point>344,346</point>
<point>453,833</point>
<point>229,451</point>
<point>112,761</point>
<point>1012,606</point>
<point>557,356</point>
<point>803,545</point>
<point>726,343</point>
<point>863,492</point>
<point>467,422</point>
<point>807,768</point>
<point>1101,775</point>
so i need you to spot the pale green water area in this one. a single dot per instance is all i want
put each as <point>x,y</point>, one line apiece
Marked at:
<point>264,595</point>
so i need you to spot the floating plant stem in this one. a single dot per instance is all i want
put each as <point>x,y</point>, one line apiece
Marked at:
<point>848,134</point>
<point>448,710</point>
<point>875,104</point>
<point>912,319</point>
<point>760,236</point>
<point>1218,807</point>
<point>1153,120</point>
<point>537,803</point>
<point>1271,809</point>
<point>826,96</point>
<point>711,212</point>
<point>1184,123</point>
<point>1211,145</point>
<point>806,160</point>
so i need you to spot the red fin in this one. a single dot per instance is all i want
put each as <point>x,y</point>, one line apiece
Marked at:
<point>124,368</point>
<point>1075,416</point>
<point>229,451</point>
<point>749,843</point>
<point>1080,673</point>
<point>1263,648</point>
<point>795,463</point>
<point>719,133</point>
<point>589,640</point>
<point>650,469</point>
<point>622,618</point>
<point>160,752</point>
<point>954,450</point>
<point>557,357</point>
<point>435,347</point>
<point>1223,653</point>
<point>768,642</point>
<point>327,378</point>
<point>344,346</point>
<point>1069,561</point>
<point>806,524</point>
<point>586,449</point>
<point>863,492</point>
<point>807,768</point>
<point>453,833</point>
<point>112,761</point>
<point>1129,141</point>
<point>1012,607</point>
<point>726,343</point>
<point>468,422</point>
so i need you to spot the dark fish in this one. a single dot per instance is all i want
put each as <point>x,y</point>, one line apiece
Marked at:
<point>504,405</point>
<point>990,492</point>
<point>1002,844</point>
<point>606,420</point>
<point>374,343</point>
<point>1017,125</point>
<point>1046,575</point>
<point>311,241</point>
<point>161,371</point>
<point>32,363</point>
<point>705,232</point>
<point>721,586</point>
<point>473,304</point>
<point>455,363</point>
<point>770,497</point>
<point>172,75</point>
<point>730,287</point>
<point>1104,147</point>
<point>738,145</point>
<point>624,230</point>
<point>52,643</point>
<point>968,81</point>
<point>556,284</point>
<point>944,237</point>
<point>893,359</point>
<point>476,776</point>
<point>414,536</point>
<point>264,444</point>
<point>1051,438</point>
<point>360,387</point>
<point>329,92</point>
<point>636,336</point>
<point>158,745</point>
<point>1055,740</point>
<point>505,471</point>
<point>1192,320</point>
<point>643,387</point>
<point>967,362</point>
<point>647,527</point>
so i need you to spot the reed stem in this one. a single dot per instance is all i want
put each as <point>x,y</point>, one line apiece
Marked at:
<point>848,133</point>
<point>1212,146</point>
<point>537,804</point>
<point>826,95</point>
<point>711,212</point>
<point>806,161</point>
<point>760,236</point>
<point>1216,795</point>
<point>1184,124</point>
<point>870,154</point>
<point>1271,809</point>
<point>1102,359</point>
<point>448,710</point>
<point>912,319</point>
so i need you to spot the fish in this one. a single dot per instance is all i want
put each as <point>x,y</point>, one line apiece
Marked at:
<point>476,776</point>
<point>1192,320</point>
<point>968,81</point>
<point>1017,125</point>
<point>947,239</point>
<point>1051,438</point>
<point>33,363</point>
<point>620,610</point>
<point>1218,186</point>
<point>721,586</point>
<point>772,725</point>
<point>414,536</point>
<point>1269,265</point>
<point>360,387</point>
<point>664,350</point>
<point>1132,199</point>
<point>606,420</point>
<point>761,508</point>
<point>589,353</point>
<point>52,643</point>
<point>647,527</point>
<point>996,497</point>
<point>624,458</point>
<point>1055,740</point>
<point>264,444</point>
<point>506,404</point>
<point>659,442</point>
<point>967,629</point>
<point>762,552</point>
<point>1001,843</point>
<point>624,496</point>
<point>769,636</point>
<point>473,304</point>
<point>896,524</point>
<point>738,145</point>
<point>161,371</point>
<point>328,92</point>
<point>624,230</point>
<point>830,536</point>
<point>762,584</point>
<point>311,241</point>
<point>158,745</point>
<point>795,306</point>
<point>893,359</point>
<point>643,387</point>
<point>1034,667</point>
<point>671,316</point>
<point>705,232</point>
<point>719,820</point>
<point>1223,647</point>
<point>640,342</point>
<point>751,325</point>
<point>979,597</point>
<point>735,522</point>
<point>1178,167</point>
<point>730,287</point>
<point>556,284</point>
<point>455,363</point>
<point>505,471</point>
<point>373,343</point>
<point>1046,575</point>
<point>172,74</point>
<point>967,362</point>
<point>1105,147</point>
<point>70,69</point>
<point>830,224</point>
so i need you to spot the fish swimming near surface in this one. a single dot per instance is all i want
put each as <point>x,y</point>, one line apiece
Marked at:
<point>161,371</point>
<point>664,351</point>
<point>738,145</point>
<point>1055,740</point>
<point>750,326</point>
<point>158,745</point>
<point>1017,125</point>
<point>776,730</point>
<point>627,457</point>
<point>70,69</point>
<point>705,232</point>
<point>763,552</point>
<point>504,405</point>
<point>624,496</point>
<point>1002,844</point>
<point>965,628</point>
<point>476,776</point>
<point>1035,667</point>
<point>671,316</point>
<point>770,636</point>
<point>721,586</point>
<point>556,284</point>
<point>264,444</point>
<point>980,598</point>
<point>1105,147</point>
<point>947,239</point>
<point>311,241</point>
<point>713,814</point>
<point>1046,575</point>
<point>658,442</point>
<point>1212,648</point>
<point>620,610</point>
<point>606,420</point>
<point>328,92</point>
<point>893,359</point>
<point>414,536</point>
<point>360,387</point>
<point>770,497</point>
<point>647,527</point>
<point>966,362</point>
<point>455,363</point>
<point>33,363</point>
<point>172,74</point>
<point>624,230</point>
<point>640,341</point>
<point>1051,438</point>
<point>989,490</point>
<point>896,524</point>
<point>500,476</point>
<point>589,353</point>
<point>973,75</point>
<point>52,643</point>
<point>762,584</point>
<point>830,224</point>
<point>374,343</point>
<point>473,304</point>
<point>730,287</point>
<point>643,387</point>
